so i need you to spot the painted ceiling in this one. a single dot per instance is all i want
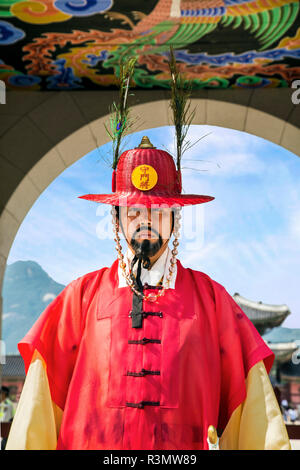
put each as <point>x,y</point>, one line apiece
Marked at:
<point>78,44</point>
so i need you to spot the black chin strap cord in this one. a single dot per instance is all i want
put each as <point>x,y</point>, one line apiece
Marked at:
<point>137,279</point>
<point>134,260</point>
<point>137,301</point>
<point>138,275</point>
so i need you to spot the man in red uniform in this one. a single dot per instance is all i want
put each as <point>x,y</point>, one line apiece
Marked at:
<point>146,354</point>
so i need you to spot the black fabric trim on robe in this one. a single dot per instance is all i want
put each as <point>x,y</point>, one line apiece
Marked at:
<point>137,300</point>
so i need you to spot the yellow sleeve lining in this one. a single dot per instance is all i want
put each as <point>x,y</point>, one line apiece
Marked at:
<point>37,420</point>
<point>257,423</point>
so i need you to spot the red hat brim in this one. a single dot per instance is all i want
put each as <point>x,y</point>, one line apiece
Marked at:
<point>147,200</point>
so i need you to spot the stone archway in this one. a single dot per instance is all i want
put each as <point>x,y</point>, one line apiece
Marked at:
<point>42,133</point>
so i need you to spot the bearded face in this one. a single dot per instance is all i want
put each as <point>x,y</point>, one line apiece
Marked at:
<point>147,231</point>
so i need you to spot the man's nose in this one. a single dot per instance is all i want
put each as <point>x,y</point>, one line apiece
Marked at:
<point>146,217</point>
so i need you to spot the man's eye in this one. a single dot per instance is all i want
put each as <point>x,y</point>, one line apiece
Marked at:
<point>159,212</point>
<point>133,213</point>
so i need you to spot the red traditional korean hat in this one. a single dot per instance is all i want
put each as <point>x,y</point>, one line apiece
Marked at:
<point>146,176</point>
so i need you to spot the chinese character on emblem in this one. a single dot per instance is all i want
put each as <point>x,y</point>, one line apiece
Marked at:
<point>144,177</point>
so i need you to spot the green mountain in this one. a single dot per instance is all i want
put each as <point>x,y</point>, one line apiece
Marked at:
<point>27,290</point>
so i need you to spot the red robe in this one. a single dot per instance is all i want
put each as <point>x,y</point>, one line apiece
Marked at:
<point>119,392</point>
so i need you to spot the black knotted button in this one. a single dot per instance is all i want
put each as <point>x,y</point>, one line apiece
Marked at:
<point>144,341</point>
<point>154,314</point>
<point>141,404</point>
<point>143,372</point>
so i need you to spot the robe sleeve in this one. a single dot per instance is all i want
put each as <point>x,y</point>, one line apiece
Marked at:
<point>241,347</point>
<point>256,424</point>
<point>36,423</point>
<point>57,334</point>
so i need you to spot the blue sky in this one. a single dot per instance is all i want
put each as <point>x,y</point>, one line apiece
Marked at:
<point>248,238</point>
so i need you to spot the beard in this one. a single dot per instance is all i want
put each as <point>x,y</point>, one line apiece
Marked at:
<point>146,249</point>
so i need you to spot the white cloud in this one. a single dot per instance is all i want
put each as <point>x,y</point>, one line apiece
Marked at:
<point>48,296</point>
<point>221,152</point>
<point>294,225</point>
<point>7,315</point>
<point>203,254</point>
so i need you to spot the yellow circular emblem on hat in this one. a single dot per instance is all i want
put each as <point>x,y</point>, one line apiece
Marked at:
<point>144,177</point>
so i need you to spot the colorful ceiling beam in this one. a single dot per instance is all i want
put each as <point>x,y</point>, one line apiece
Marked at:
<point>78,44</point>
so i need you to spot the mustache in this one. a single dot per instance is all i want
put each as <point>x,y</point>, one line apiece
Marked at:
<point>148,229</point>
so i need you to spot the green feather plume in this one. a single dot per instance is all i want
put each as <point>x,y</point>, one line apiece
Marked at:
<point>181,107</point>
<point>120,122</point>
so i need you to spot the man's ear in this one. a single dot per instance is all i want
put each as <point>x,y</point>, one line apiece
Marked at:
<point>118,222</point>
<point>173,223</point>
